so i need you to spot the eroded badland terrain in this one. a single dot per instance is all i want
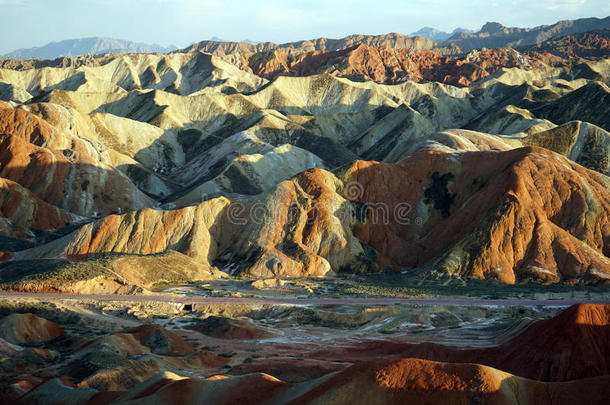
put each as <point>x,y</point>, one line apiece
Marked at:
<point>372,220</point>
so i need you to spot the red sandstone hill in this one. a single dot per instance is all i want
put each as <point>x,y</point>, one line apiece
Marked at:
<point>387,59</point>
<point>571,346</point>
<point>562,360</point>
<point>162,341</point>
<point>28,329</point>
<point>378,381</point>
<point>383,381</point>
<point>392,40</point>
<point>521,214</point>
<point>494,35</point>
<point>414,381</point>
<point>391,65</point>
<point>575,344</point>
<point>387,65</point>
<point>21,211</point>
<point>587,45</point>
<point>378,61</point>
<point>60,168</point>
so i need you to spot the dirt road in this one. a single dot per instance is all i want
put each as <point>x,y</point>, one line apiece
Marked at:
<point>297,301</point>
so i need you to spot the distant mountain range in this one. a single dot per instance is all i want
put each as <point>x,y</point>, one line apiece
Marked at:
<point>495,35</point>
<point>436,35</point>
<point>392,40</point>
<point>83,46</point>
<point>458,42</point>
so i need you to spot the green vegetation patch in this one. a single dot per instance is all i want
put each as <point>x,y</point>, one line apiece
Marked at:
<point>57,269</point>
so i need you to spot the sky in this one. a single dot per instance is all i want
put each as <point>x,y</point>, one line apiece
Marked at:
<point>28,23</point>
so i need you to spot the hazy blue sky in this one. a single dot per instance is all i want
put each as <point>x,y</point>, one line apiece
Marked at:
<point>27,23</point>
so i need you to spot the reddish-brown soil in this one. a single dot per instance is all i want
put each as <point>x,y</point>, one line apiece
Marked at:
<point>28,329</point>
<point>573,345</point>
<point>514,215</point>
<point>162,341</point>
<point>387,65</point>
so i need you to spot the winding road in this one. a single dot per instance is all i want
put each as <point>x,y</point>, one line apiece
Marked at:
<point>190,299</point>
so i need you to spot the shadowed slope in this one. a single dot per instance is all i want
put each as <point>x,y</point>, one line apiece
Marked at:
<point>570,346</point>
<point>60,168</point>
<point>375,382</point>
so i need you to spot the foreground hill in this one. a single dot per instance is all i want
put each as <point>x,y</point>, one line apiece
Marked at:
<point>555,361</point>
<point>570,346</point>
<point>380,382</point>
